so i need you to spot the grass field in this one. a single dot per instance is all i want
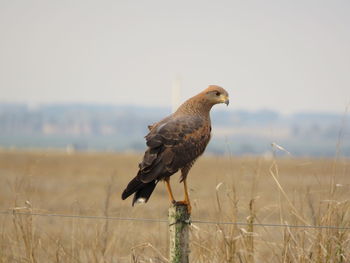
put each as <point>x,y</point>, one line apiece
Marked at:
<point>251,190</point>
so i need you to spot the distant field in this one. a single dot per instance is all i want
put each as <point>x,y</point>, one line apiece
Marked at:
<point>253,190</point>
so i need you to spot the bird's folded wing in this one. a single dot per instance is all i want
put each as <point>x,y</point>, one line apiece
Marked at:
<point>173,145</point>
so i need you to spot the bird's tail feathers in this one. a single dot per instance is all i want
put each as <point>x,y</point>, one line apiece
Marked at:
<point>142,190</point>
<point>143,194</point>
<point>134,185</point>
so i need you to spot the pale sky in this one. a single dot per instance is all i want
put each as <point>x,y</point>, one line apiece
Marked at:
<point>289,56</point>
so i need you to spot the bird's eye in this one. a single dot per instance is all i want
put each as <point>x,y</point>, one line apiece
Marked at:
<point>217,93</point>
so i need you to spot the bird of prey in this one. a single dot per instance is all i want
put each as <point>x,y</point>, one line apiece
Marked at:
<point>174,144</point>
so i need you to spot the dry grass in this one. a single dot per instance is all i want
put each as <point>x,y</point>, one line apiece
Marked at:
<point>252,190</point>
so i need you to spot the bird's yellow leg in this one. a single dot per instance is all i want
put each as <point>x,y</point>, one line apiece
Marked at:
<point>170,192</point>
<point>187,198</point>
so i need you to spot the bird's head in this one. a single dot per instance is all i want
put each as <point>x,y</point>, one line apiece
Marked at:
<point>216,95</point>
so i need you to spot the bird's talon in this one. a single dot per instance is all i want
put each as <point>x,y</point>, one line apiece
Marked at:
<point>181,203</point>
<point>186,203</point>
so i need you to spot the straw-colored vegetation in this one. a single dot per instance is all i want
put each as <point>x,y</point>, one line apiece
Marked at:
<point>253,190</point>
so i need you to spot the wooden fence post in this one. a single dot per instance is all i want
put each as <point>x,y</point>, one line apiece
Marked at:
<point>179,220</point>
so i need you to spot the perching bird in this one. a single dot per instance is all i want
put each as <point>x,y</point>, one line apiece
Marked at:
<point>174,144</point>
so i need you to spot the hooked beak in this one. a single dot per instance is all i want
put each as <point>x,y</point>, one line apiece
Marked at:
<point>227,102</point>
<point>225,99</point>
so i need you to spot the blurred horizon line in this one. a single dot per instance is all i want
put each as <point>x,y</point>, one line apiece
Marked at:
<point>170,108</point>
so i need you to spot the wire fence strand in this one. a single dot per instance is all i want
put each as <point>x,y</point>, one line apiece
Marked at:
<point>154,220</point>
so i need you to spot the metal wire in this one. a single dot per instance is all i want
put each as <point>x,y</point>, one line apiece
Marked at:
<point>197,221</point>
<point>86,217</point>
<point>269,225</point>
